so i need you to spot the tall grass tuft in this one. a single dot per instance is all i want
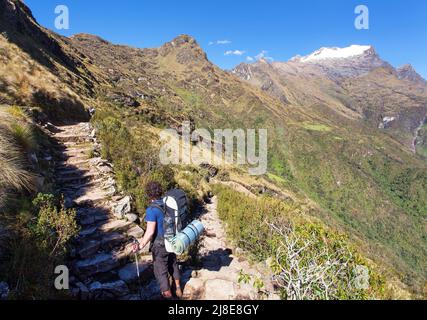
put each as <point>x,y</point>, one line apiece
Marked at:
<point>14,141</point>
<point>24,136</point>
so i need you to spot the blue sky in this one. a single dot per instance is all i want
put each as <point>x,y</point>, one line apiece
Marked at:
<point>279,28</point>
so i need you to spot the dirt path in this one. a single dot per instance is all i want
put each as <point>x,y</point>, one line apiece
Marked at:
<point>218,277</point>
<point>102,263</point>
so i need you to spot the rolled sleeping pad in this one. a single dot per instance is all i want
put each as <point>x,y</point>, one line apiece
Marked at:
<point>184,239</point>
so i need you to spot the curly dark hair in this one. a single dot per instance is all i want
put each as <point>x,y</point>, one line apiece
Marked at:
<point>154,190</point>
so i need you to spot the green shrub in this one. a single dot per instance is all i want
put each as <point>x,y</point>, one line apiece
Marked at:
<point>42,230</point>
<point>308,260</point>
<point>55,226</point>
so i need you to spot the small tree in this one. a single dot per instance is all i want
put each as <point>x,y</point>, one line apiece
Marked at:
<point>55,226</point>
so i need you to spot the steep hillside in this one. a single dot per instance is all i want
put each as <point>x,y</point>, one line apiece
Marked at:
<point>305,132</point>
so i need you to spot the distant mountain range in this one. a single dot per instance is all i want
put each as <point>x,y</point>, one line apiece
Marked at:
<point>353,81</point>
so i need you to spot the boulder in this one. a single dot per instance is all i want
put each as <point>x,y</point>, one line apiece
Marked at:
<point>123,207</point>
<point>131,217</point>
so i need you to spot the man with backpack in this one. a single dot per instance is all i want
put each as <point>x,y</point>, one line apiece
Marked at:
<point>164,262</point>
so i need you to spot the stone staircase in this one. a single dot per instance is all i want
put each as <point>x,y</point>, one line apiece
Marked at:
<point>102,263</point>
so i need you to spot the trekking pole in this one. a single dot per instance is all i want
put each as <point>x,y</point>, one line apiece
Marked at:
<point>137,269</point>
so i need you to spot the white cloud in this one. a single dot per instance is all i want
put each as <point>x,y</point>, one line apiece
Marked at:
<point>263,55</point>
<point>219,42</point>
<point>249,59</point>
<point>234,53</point>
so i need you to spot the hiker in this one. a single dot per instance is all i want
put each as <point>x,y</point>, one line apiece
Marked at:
<point>165,263</point>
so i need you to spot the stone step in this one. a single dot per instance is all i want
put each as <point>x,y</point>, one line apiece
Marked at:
<point>93,216</point>
<point>84,178</point>
<point>106,243</point>
<point>71,138</point>
<point>106,227</point>
<point>84,149</point>
<point>73,172</point>
<point>103,262</point>
<point>64,164</point>
<point>74,188</point>
<point>92,197</point>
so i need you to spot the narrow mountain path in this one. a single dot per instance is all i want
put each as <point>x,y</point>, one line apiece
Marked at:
<point>102,263</point>
<point>218,276</point>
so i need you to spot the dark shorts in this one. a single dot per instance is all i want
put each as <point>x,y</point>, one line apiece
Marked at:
<point>165,264</point>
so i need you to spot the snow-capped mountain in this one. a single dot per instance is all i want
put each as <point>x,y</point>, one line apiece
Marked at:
<point>338,63</point>
<point>336,53</point>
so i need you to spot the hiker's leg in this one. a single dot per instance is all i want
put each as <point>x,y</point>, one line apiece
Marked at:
<point>176,274</point>
<point>160,264</point>
<point>173,267</point>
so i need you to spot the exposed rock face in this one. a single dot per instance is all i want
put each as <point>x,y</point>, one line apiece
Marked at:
<point>123,207</point>
<point>407,72</point>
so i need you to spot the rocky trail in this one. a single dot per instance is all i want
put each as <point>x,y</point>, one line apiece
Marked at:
<point>102,263</point>
<point>218,276</point>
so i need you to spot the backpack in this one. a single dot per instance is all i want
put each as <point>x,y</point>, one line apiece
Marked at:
<point>175,209</point>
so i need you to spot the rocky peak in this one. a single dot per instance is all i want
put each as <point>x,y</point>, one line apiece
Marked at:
<point>243,71</point>
<point>407,72</point>
<point>185,48</point>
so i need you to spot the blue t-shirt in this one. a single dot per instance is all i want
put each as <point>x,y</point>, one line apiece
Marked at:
<point>153,214</point>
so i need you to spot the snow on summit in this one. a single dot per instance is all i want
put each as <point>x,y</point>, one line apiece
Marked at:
<point>335,53</point>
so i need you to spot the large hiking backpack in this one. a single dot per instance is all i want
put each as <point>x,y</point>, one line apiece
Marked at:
<point>175,209</point>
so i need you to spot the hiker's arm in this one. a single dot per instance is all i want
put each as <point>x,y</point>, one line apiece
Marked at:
<point>149,233</point>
